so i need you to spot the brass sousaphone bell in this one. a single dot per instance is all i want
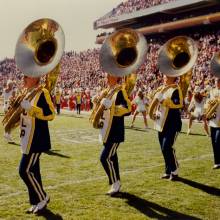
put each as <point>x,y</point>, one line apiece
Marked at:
<point>38,52</point>
<point>39,47</point>
<point>123,52</point>
<point>177,56</point>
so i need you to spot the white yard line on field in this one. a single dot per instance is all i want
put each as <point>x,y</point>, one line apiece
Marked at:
<point>80,134</point>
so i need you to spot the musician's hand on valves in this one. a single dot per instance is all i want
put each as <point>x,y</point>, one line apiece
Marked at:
<point>156,116</point>
<point>26,105</point>
<point>107,103</point>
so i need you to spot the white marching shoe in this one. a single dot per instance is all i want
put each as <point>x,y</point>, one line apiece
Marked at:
<point>8,137</point>
<point>31,209</point>
<point>115,188</point>
<point>41,205</point>
<point>216,166</point>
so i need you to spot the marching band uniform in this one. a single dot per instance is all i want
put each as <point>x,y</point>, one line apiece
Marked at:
<point>35,139</point>
<point>112,134</point>
<point>168,123</point>
<point>196,108</point>
<point>78,102</point>
<point>58,93</point>
<point>214,124</point>
<point>8,93</point>
<point>141,103</point>
<point>187,101</point>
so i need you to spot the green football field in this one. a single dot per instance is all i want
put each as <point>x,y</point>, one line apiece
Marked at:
<point>76,182</point>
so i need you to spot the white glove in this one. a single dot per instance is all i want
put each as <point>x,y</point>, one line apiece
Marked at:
<point>158,115</point>
<point>26,105</point>
<point>159,96</point>
<point>107,103</point>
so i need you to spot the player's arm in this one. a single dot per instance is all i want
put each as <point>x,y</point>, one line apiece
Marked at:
<point>122,104</point>
<point>176,100</point>
<point>44,109</point>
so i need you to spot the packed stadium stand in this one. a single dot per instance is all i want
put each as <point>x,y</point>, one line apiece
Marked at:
<point>158,20</point>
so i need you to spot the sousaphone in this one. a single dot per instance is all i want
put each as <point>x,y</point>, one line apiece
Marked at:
<point>39,47</point>
<point>38,52</point>
<point>176,58</point>
<point>121,54</point>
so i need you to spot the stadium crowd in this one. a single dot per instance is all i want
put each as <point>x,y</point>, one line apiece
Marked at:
<point>136,5</point>
<point>81,72</point>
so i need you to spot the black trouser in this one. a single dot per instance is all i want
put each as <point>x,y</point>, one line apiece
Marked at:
<point>78,107</point>
<point>109,160</point>
<point>29,171</point>
<point>167,140</point>
<point>58,108</point>
<point>215,136</point>
<point>91,105</point>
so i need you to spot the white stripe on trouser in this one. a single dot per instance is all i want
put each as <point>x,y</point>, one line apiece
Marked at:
<point>115,149</point>
<point>110,164</point>
<point>35,158</point>
<point>174,154</point>
<point>29,174</point>
<point>36,182</point>
<point>113,153</point>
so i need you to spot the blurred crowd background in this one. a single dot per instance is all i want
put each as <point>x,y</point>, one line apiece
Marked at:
<point>81,72</point>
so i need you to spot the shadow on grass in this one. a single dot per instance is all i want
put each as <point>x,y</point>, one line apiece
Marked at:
<point>47,214</point>
<point>208,189</point>
<point>71,115</point>
<point>13,143</point>
<point>192,134</point>
<point>152,210</point>
<point>138,129</point>
<point>54,153</point>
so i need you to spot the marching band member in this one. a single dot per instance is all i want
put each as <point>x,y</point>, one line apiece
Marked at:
<point>78,101</point>
<point>58,93</point>
<point>213,116</point>
<point>196,110</point>
<point>141,103</point>
<point>35,139</point>
<point>8,93</point>
<point>187,101</point>
<point>119,56</point>
<point>112,133</point>
<point>167,117</point>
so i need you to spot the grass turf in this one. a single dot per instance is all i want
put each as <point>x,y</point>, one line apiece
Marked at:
<point>75,180</point>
